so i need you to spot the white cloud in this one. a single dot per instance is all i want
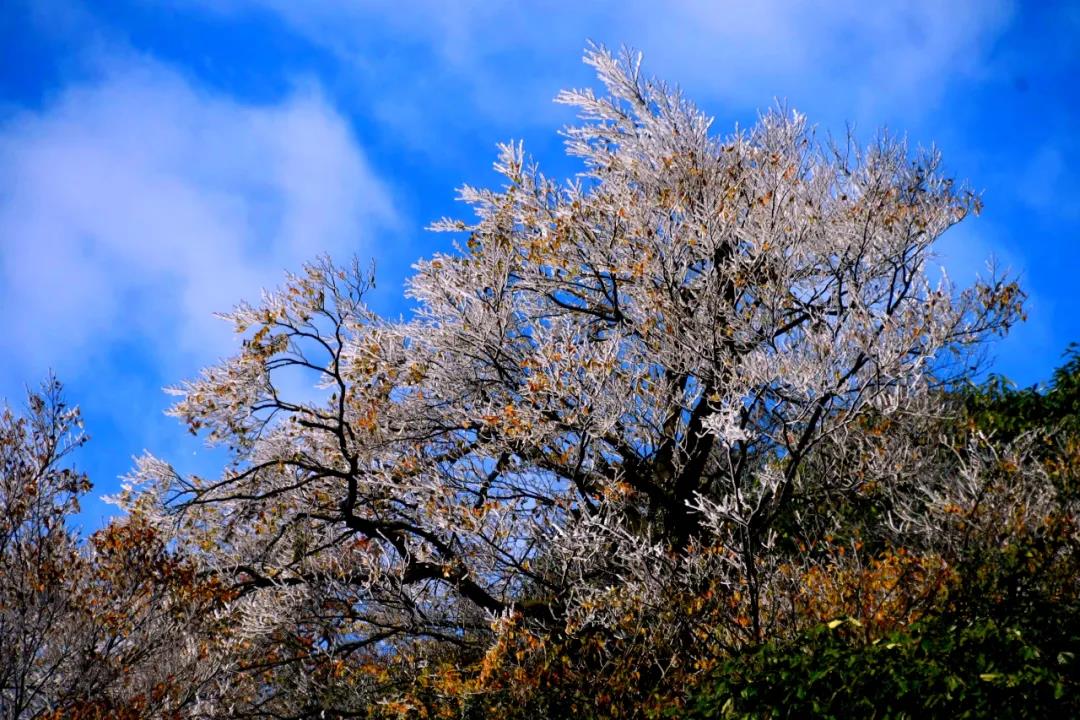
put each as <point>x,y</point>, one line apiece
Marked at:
<point>862,61</point>
<point>872,58</point>
<point>134,207</point>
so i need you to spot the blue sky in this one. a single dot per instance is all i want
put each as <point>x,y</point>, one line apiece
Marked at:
<point>162,159</point>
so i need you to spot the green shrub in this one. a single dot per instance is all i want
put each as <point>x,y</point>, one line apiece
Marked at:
<point>936,669</point>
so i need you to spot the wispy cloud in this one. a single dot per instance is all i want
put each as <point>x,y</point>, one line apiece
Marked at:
<point>859,60</point>
<point>135,206</point>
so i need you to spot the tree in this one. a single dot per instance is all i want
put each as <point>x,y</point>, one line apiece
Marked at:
<point>999,510</point>
<point>37,550</point>
<point>117,627</point>
<point>615,397</point>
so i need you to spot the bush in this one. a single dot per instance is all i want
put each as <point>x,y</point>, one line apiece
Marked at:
<point>980,669</point>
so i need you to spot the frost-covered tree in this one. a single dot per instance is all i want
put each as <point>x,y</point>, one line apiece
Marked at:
<point>38,551</point>
<point>116,627</point>
<point>614,393</point>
